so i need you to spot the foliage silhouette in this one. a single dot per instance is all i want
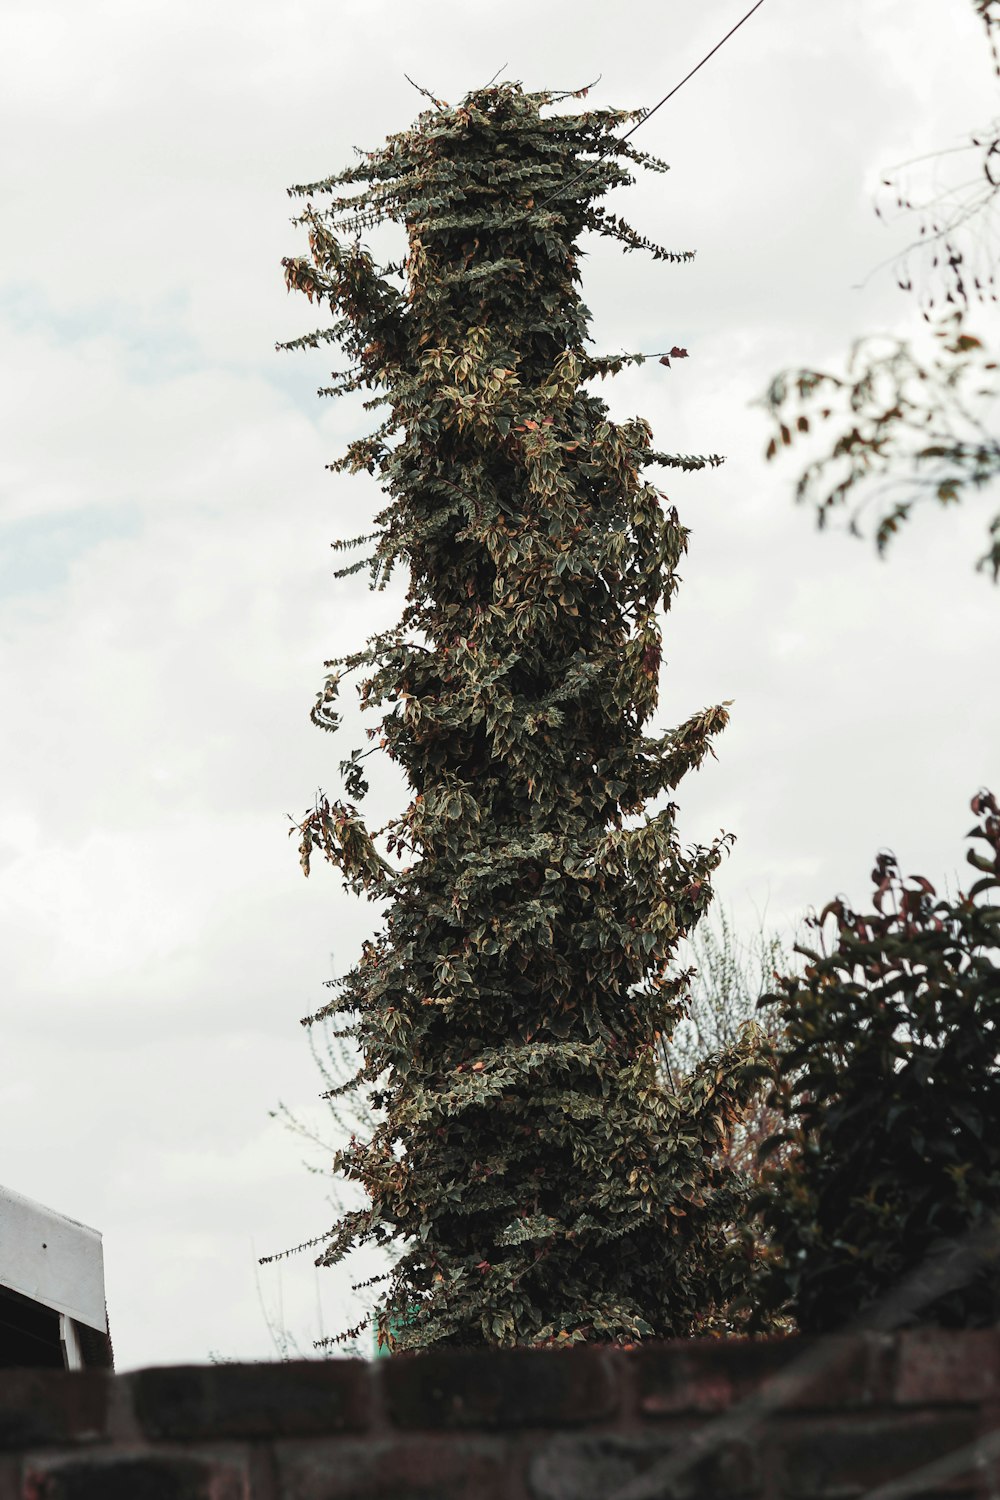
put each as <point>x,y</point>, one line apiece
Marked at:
<point>888,1084</point>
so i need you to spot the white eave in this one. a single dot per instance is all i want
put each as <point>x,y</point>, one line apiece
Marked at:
<point>52,1259</point>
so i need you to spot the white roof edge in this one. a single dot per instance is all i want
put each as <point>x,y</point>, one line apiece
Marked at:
<point>51,1213</point>
<point>53,1259</point>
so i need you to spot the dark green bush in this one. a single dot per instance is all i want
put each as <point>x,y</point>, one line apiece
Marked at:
<point>888,1196</point>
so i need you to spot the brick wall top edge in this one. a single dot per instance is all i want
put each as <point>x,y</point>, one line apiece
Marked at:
<point>490,1390</point>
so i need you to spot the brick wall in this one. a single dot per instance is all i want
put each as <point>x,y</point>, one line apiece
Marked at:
<point>874,1415</point>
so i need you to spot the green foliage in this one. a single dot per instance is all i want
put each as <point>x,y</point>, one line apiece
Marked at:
<point>534,1178</point>
<point>888,1083</point>
<point>913,423</point>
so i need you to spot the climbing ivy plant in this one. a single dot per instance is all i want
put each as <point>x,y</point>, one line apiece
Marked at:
<point>536,1181</point>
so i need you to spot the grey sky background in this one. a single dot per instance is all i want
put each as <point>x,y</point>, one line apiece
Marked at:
<point>166,599</point>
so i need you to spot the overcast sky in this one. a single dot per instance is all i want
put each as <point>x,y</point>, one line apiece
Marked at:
<point>166,598</point>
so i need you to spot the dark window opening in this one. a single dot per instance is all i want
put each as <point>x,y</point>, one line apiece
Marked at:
<point>29,1333</point>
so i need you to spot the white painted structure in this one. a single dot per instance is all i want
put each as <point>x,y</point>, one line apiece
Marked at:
<point>56,1264</point>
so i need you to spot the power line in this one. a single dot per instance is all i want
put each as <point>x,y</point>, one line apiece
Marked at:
<point>693,71</point>
<point>650,112</point>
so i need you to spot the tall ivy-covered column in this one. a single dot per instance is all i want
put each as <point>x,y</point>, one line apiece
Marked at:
<point>534,1176</point>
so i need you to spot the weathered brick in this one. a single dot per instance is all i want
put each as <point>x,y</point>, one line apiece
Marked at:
<point>436,1468</point>
<point>500,1388</point>
<point>946,1368</point>
<point>307,1397</point>
<point>591,1468</point>
<point>711,1375</point>
<point>148,1476</point>
<point>52,1406</point>
<point>839,1460</point>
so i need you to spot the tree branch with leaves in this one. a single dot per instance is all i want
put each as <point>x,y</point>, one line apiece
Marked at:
<point>914,420</point>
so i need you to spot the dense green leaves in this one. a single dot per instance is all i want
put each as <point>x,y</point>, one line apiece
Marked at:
<point>535,1179</point>
<point>890,1093</point>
